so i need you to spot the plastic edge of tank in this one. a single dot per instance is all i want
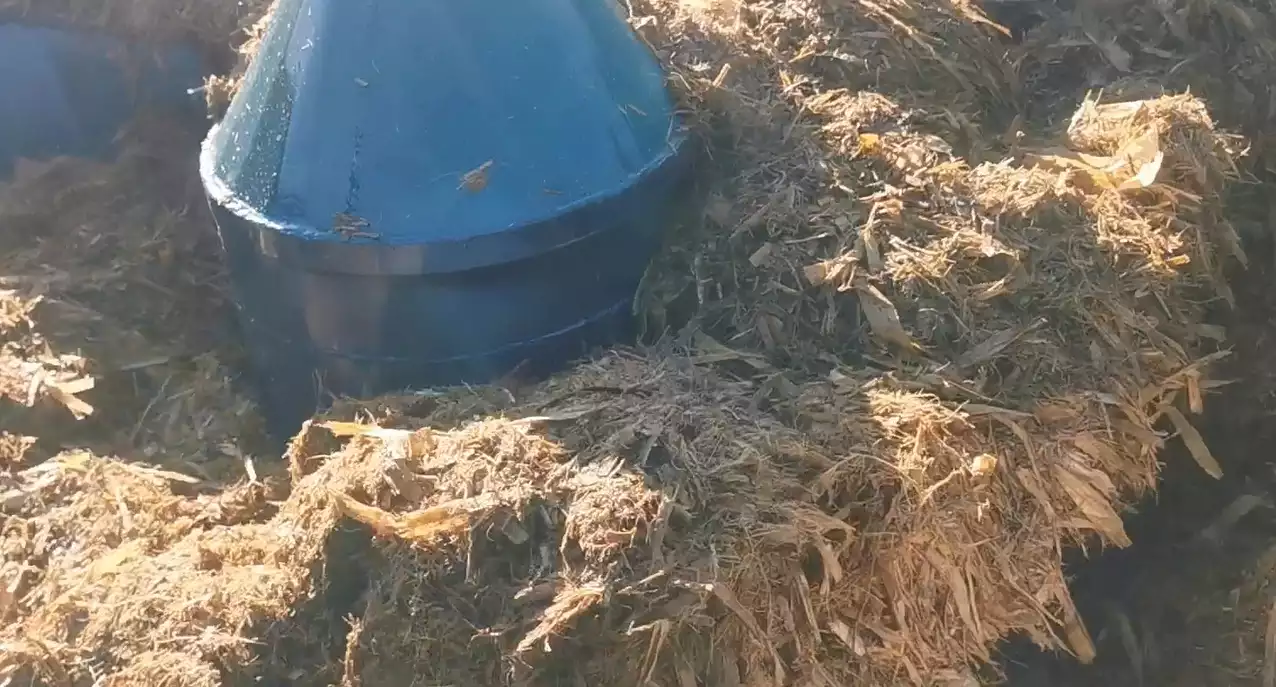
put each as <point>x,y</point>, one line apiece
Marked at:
<point>296,245</point>
<point>292,392</point>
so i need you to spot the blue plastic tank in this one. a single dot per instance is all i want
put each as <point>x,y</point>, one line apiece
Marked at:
<point>69,92</point>
<point>414,193</point>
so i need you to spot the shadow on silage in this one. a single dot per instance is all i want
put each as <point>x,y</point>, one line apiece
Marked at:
<point>308,647</point>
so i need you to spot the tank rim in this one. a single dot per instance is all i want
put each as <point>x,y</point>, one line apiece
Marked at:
<point>326,250</point>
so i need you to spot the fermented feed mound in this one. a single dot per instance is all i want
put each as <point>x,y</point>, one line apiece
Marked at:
<point>1221,49</point>
<point>937,333</point>
<point>109,346</point>
<point>619,510</point>
<point>112,569</point>
<point>109,299</point>
<point>601,534</point>
<point>1016,308</point>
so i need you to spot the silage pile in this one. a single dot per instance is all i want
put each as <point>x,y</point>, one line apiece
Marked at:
<point>934,343</point>
<point>1221,50</point>
<point>108,346</point>
<point>110,289</point>
<point>1019,302</point>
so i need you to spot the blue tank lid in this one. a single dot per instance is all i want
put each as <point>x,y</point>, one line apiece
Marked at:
<point>459,128</point>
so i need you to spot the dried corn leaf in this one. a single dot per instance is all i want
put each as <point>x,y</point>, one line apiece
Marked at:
<point>709,350</point>
<point>1074,629</point>
<point>1094,505</point>
<point>991,347</point>
<point>836,272</point>
<point>354,429</point>
<point>1135,166</point>
<point>1195,443</point>
<point>962,595</point>
<point>1099,450</point>
<point>446,519</point>
<point>883,318</point>
<point>728,597</point>
<point>568,605</point>
<point>78,407</point>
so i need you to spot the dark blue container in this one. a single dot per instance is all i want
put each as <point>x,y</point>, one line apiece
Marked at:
<point>417,193</point>
<point>68,93</point>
